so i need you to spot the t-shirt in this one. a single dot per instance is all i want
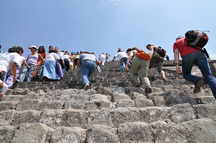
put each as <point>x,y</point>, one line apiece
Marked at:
<point>52,57</point>
<point>61,55</point>
<point>121,55</point>
<point>4,62</point>
<point>32,59</point>
<point>16,58</point>
<point>66,57</point>
<point>183,48</point>
<point>156,60</point>
<point>90,57</point>
<point>102,57</point>
<point>132,53</point>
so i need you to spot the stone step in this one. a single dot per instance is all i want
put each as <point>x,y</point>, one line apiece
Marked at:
<point>197,131</point>
<point>109,117</point>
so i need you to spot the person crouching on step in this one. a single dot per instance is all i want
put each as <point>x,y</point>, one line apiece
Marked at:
<point>140,67</point>
<point>87,67</point>
<point>189,47</point>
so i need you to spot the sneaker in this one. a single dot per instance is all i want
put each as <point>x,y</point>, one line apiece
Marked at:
<point>198,86</point>
<point>87,86</point>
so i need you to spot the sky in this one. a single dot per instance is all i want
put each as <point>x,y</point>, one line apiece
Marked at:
<point>104,25</point>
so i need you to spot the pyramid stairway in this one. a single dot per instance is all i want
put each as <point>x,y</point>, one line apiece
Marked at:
<point>113,111</point>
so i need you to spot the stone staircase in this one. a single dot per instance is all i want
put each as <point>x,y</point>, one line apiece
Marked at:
<point>113,111</point>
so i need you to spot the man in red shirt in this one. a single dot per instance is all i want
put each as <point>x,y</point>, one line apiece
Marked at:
<point>193,56</point>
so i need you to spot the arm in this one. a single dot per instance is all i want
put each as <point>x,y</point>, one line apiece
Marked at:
<point>151,51</point>
<point>176,56</point>
<point>13,71</point>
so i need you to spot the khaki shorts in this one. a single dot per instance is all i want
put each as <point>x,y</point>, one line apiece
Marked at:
<point>139,67</point>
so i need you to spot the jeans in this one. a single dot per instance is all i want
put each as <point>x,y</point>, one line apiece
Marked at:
<point>123,64</point>
<point>201,61</point>
<point>29,76</point>
<point>86,69</point>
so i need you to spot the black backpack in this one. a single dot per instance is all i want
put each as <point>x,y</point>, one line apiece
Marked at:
<point>161,51</point>
<point>196,39</point>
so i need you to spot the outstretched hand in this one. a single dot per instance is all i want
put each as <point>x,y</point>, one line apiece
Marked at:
<point>178,69</point>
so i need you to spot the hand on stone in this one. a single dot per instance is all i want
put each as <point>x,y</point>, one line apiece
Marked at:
<point>178,69</point>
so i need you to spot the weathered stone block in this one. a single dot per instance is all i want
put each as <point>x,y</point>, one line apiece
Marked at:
<point>142,101</point>
<point>136,132</point>
<point>29,116</point>
<point>74,118</point>
<point>205,110</point>
<point>102,117</point>
<point>102,134</point>
<point>181,113</point>
<point>68,135</point>
<point>52,118</point>
<point>125,103</point>
<point>32,133</point>
<point>6,134</point>
<point>8,105</point>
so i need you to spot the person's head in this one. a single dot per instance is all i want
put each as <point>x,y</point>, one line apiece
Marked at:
<point>33,49</point>
<point>12,49</point>
<point>20,50</point>
<point>41,49</point>
<point>57,49</point>
<point>16,49</point>
<point>52,49</point>
<point>119,50</point>
<point>66,52</point>
<point>128,50</point>
<point>150,46</point>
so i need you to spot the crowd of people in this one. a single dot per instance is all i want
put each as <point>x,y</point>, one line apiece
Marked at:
<point>54,63</point>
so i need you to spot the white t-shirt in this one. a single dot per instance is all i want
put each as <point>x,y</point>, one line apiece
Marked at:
<point>52,57</point>
<point>4,62</point>
<point>67,57</point>
<point>61,55</point>
<point>91,57</point>
<point>102,57</point>
<point>121,55</point>
<point>32,59</point>
<point>16,58</point>
<point>132,53</point>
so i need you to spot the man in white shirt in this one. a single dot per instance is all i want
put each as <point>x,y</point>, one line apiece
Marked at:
<point>4,65</point>
<point>102,58</point>
<point>88,65</point>
<point>122,57</point>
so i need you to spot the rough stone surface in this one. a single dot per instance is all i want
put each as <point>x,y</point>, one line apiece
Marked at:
<point>135,132</point>
<point>112,111</point>
<point>68,135</point>
<point>6,133</point>
<point>102,134</point>
<point>32,133</point>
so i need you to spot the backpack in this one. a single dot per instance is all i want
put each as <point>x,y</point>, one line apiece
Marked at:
<point>196,39</point>
<point>161,51</point>
<point>143,55</point>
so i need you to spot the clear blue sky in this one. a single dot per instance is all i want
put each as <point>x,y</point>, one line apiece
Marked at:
<point>104,25</point>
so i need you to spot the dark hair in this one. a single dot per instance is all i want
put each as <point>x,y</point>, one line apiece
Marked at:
<point>128,50</point>
<point>41,49</point>
<point>149,45</point>
<point>12,49</point>
<point>17,49</point>
<point>20,50</point>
